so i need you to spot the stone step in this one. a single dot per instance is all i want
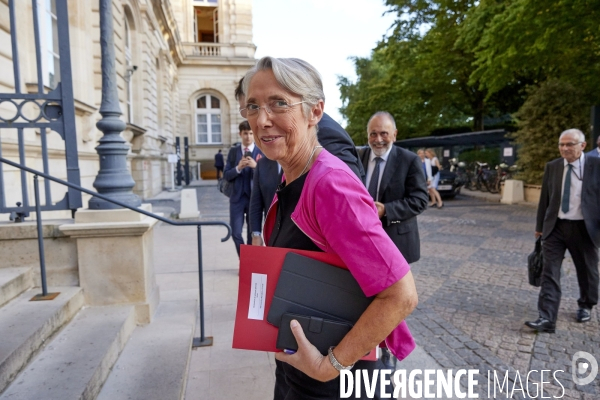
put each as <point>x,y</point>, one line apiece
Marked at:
<point>75,364</point>
<point>13,282</point>
<point>25,325</point>
<point>154,363</point>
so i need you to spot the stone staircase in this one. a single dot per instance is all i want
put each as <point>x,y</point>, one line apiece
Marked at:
<point>62,349</point>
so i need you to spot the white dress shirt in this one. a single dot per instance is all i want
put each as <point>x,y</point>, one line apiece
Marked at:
<point>574,212</point>
<point>371,167</point>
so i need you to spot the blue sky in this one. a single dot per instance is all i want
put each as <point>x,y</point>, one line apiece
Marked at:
<point>323,32</point>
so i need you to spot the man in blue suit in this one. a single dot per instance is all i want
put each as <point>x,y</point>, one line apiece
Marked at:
<point>241,162</point>
<point>595,152</point>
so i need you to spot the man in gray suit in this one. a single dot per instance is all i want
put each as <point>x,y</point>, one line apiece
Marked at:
<point>568,218</point>
<point>397,184</point>
<point>395,181</point>
<point>595,152</point>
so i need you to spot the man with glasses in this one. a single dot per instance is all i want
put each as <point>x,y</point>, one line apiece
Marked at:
<point>398,186</point>
<point>568,218</point>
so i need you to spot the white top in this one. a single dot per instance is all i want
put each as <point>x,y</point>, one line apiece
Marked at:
<point>371,167</point>
<point>428,169</point>
<point>574,212</point>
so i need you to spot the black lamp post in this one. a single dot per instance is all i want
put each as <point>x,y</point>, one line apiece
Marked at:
<point>113,179</point>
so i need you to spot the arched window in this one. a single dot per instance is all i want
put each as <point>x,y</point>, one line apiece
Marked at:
<point>208,119</point>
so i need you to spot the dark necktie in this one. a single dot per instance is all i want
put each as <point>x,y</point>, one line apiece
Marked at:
<point>375,179</point>
<point>567,190</point>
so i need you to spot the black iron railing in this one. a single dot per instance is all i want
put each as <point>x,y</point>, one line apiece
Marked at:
<point>46,107</point>
<point>198,342</point>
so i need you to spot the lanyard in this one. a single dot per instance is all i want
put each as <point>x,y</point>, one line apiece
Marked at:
<point>580,177</point>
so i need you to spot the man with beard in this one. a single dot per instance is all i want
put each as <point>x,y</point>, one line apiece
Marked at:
<point>398,186</point>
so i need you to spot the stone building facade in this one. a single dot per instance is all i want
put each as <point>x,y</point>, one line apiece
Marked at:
<point>178,63</point>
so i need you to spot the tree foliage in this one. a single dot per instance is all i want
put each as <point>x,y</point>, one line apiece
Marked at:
<point>550,109</point>
<point>421,74</point>
<point>554,39</point>
<point>451,63</point>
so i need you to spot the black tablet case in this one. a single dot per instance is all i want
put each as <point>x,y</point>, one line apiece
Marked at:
<point>322,333</point>
<point>316,289</point>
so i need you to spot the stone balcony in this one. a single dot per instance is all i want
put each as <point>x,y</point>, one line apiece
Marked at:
<point>218,52</point>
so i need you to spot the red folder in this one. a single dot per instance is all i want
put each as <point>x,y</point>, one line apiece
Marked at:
<point>258,334</point>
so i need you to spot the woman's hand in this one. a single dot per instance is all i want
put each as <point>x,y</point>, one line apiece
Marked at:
<point>308,359</point>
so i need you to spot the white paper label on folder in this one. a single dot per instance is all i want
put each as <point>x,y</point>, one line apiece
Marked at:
<point>258,294</point>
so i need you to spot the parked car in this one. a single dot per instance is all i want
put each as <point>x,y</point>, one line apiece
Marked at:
<point>449,184</point>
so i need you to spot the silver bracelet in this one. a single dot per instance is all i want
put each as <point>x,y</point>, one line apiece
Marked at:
<point>336,364</point>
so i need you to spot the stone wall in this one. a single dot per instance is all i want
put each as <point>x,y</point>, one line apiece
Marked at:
<point>19,248</point>
<point>165,86</point>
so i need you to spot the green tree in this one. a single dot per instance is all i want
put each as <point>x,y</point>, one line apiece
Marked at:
<point>422,75</point>
<point>368,95</point>
<point>550,109</point>
<point>541,40</point>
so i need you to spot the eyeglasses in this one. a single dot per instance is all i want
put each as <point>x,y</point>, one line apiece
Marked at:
<point>376,134</point>
<point>272,107</point>
<point>568,145</point>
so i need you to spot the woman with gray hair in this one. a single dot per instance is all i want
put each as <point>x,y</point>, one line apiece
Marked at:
<point>323,206</point>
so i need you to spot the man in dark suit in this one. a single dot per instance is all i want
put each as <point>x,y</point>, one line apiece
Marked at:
<point>595,152</point>
<point>267,175</point>
<point>336,140</point>
<point>241,162</point>
<point>400,188</point>
<point>395,181</point>
<point>568,218</point>
<point>219,164</point>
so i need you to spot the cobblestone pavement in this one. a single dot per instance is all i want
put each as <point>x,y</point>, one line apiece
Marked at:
<point>474,298</point>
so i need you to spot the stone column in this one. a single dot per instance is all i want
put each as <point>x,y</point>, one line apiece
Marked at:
<point>113,179</point>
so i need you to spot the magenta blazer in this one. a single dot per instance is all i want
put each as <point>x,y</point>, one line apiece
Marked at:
<point>337,213</point>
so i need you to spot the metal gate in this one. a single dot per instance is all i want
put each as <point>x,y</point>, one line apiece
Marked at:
<point>45,106</point>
